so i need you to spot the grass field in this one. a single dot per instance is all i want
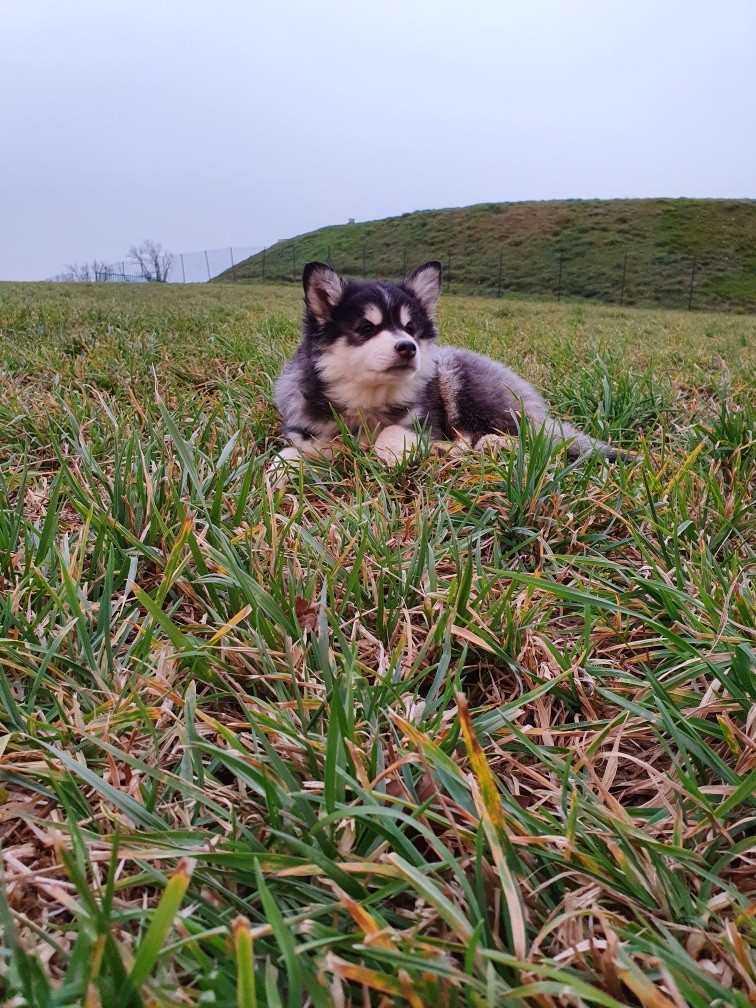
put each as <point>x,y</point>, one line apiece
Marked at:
<point>477,731</point>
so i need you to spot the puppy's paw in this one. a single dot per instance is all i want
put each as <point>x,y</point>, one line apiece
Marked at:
<point>494,442</point>
<point>457,448</point>
<point>283,467</point>
<point>393,444</point>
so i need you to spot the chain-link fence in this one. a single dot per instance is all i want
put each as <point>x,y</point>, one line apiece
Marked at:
<point>111,276</point>
<point>640,275</point>
<point>186,267</point>
<point>199,267</point>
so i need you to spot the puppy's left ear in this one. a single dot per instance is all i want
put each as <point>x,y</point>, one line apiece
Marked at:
<point>425,284</point>
<point>323,289</point>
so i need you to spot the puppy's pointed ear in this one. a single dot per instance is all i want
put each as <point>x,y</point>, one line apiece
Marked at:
<point>425,284</point>
<point>323,289</point>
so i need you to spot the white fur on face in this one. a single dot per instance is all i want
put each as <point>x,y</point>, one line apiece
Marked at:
<point>371,362</point>
<point>359,379</point>
<point>373,314</point>
<point>404,315</point>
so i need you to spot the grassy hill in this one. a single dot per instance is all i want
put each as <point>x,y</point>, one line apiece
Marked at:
<point>660,246</point>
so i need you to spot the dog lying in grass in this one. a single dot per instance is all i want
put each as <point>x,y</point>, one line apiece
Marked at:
<point>369,358</point>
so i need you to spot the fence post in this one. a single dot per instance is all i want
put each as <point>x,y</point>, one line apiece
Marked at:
<point>498,282</point>
<point>263,264</point>
<point>559,281</point>
<point>233,264</point>
<point>692,282</point>
<point>207,263</point>
<point>624,274</point>
<point>183,271</point>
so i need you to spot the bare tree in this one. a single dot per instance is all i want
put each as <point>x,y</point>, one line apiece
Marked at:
<point>86,272</point>
<point>154,263</point>
<point>151,261</point>
<point>78,274</point>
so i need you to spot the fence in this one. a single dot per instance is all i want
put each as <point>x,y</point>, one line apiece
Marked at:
<point>199,267</point>
<point>108,276</point>
<point>641,274</point>
<point>187,267</point>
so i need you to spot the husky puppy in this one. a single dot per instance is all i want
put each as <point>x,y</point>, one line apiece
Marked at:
<point>369,355</point>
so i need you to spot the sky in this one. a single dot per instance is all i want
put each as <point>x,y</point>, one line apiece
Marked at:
<point>222,123</point>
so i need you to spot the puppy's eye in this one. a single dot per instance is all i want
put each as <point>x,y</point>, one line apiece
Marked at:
<point>365,328</point>
<point>410,328</point>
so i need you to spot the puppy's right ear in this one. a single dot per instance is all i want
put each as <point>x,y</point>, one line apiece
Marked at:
<point>425,284</point>
<point>323,289</point>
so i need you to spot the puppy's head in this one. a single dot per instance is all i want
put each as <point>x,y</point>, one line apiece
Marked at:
<point>370,329</point>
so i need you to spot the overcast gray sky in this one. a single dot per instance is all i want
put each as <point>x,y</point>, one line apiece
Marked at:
<point>222,122</point>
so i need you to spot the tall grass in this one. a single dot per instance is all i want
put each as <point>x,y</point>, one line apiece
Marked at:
<point>478,731</point>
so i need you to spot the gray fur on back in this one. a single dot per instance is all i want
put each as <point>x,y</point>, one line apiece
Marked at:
<point>490,398</point>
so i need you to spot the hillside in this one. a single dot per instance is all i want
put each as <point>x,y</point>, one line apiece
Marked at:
<point>572,248</point>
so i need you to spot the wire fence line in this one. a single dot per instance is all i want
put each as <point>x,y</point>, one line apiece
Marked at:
<point>111,276</point>
<point>186,267</point>
<point>199,267</point>
<point>641,274</point>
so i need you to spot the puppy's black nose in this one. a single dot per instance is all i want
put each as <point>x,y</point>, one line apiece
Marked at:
<point>405,348</point>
